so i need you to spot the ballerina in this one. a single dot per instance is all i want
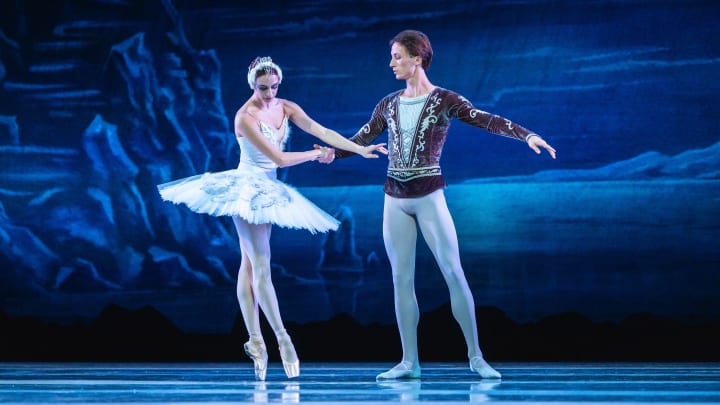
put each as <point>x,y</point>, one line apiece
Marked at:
<point>255,199</point>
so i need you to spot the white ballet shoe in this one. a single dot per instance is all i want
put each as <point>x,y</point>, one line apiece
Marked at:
<point>403,370</point>
<point>258,353</point>
<point>480,366</point>
<point>289,358</point>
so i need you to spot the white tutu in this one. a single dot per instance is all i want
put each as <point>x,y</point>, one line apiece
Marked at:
<point>251,193</point>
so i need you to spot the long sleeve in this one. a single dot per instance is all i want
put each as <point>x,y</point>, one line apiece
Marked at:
<point>463,110</point>
<point>371,130</point>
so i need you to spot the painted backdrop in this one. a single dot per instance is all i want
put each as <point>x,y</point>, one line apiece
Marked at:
<point>102,100</point>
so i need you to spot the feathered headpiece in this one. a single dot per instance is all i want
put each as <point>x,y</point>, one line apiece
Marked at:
<point>265,64</point>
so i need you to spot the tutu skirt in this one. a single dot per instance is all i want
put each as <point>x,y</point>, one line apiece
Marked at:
<point>251,193</point>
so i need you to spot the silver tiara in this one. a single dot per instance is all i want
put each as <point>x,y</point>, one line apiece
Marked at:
<point>262,64</point>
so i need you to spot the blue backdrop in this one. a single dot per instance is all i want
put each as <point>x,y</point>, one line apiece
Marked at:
<point>102,100</point>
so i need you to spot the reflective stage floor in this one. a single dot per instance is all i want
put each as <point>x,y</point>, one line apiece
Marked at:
<point>324,383</point>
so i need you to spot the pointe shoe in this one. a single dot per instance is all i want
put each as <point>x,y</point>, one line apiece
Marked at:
<point>258,353</point>
<point>480,366</point>
<point>289,358</point>
<point>403,370</point>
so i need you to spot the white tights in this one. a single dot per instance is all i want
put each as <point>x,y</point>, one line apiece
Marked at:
<point>401,218</point>
<point>254,285</point>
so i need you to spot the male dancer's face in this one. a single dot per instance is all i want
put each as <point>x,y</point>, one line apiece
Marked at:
<point>402,64</point>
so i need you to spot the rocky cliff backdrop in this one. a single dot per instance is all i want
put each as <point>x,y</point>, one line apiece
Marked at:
<point>100,100</point>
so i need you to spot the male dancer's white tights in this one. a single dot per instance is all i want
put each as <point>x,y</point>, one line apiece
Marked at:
<point>401,218</point>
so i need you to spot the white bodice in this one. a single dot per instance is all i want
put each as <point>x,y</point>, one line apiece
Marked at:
<point>250,155</point>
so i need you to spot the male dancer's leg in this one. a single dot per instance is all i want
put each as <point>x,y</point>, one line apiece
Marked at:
<point>400,236</point>
<point>438,230</point>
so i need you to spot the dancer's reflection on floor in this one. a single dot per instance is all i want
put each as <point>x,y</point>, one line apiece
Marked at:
<point>407,390</point>
<point>291,394</point>
<point>479,391</point>
<point>260,394</point>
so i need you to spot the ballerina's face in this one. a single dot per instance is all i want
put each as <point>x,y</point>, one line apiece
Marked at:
<point>266,87</point>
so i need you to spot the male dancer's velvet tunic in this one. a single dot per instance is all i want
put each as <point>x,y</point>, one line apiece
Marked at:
<point>416,173</point>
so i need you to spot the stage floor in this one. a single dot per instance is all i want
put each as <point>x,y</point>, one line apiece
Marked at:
<point>233,383</point>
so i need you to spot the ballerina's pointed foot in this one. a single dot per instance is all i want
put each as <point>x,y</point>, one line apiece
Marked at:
<point>404,370</point>
<point>258,353</point>
<point>289,358</point>
<point>480,366</point>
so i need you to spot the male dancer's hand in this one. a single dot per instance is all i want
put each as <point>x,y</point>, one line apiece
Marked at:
<point>328,157</point>
<point>535,143</point>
